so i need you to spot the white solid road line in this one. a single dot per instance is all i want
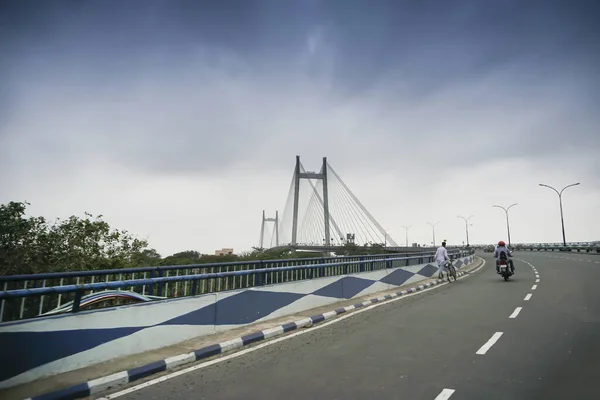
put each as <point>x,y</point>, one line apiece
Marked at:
<point>516,312</point>
<point>534,287</point>
<point>527,297</point>
<point>484,349</point>
<point>445,395</point>
<point>270,342</point>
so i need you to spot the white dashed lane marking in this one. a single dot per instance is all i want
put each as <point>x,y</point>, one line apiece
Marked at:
<point>516,312</point>
<point>484,349</point>
<point>445,394</point>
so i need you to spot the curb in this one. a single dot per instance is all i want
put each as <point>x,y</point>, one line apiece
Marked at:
<point>98,385</point>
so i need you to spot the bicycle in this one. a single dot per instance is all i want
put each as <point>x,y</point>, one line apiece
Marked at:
<point>451,270</point>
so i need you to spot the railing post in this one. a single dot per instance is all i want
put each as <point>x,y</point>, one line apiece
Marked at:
<point>160,284</point>
<point>2,303</point>
<point>151,287</point>
<point>77,301</point>
<point>194,287</point>
<point>362,264</point>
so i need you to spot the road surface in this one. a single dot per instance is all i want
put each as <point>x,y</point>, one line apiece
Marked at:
<point>478,338</point>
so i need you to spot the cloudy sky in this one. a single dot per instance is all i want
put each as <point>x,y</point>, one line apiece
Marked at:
<point>180,120</point>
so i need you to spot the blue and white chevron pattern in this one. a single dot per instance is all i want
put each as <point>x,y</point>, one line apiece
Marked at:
<point>47,346</point>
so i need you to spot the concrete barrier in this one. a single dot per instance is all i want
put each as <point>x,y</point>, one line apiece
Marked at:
<point>38,348</point>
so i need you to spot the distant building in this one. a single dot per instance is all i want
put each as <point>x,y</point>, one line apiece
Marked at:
<point>224,252</point>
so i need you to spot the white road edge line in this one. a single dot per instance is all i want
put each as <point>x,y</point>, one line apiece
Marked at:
<point>445,394</point>
<point>534,287</point>
<point>516,312</point>
<point>484,349</point>
<point>270,342</point>
<point>528,296</point>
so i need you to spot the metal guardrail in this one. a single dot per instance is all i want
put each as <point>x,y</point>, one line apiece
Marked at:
<point>190,280</point>
<point>570,247</point>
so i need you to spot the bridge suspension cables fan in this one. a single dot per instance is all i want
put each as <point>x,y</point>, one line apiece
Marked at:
<point>321,211</point>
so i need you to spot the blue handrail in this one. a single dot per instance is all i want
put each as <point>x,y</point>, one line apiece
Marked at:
<point>19,293</point>
<point>75,274</point>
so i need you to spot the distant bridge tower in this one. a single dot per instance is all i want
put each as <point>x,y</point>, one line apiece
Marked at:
<point>310,175</point>
<point>262,228</point>
<point>333,215</point>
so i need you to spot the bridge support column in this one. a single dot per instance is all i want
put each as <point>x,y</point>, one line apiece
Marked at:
<point>262,228</point>
<point>296,200</point>
<point>298,174</point>
<point>326,203</point>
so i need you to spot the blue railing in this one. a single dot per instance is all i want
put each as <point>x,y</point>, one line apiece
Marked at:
<point>189,280</point>
<point>570,247</point>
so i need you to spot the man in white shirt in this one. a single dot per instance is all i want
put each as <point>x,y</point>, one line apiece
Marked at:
<point>441,256</point>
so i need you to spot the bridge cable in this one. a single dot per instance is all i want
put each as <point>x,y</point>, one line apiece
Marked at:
<point>354,218</point>
<point>373,220</point>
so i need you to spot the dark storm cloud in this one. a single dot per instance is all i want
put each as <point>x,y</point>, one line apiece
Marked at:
<point>175,87</point>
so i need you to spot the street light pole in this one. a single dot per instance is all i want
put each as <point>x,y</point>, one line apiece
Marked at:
<point>562,221</point>
<point>406,228</point>
<point>507,224</point>
<point>466,225</point>
<point>433,224</point>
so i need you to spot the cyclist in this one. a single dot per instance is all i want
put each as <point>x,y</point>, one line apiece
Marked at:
<point>441,256</point>
<point>503,253</point>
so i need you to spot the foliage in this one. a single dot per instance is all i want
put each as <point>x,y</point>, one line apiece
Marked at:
<point>33,245</point>
<point>351,249</point>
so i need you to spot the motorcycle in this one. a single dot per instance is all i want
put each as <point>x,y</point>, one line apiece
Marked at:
<point>504,269</point>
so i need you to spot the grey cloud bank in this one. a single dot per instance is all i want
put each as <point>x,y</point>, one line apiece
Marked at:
<point>181,123</point>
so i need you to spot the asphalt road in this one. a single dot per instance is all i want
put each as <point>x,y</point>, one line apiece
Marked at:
<point>426,345</point>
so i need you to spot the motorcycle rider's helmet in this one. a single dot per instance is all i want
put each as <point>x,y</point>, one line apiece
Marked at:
<point>501,243</point>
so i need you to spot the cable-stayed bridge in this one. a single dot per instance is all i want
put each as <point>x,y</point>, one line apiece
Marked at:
<point>321,213</point>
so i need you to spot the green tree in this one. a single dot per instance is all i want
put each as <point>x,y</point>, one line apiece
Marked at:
<point>32,245</point>
<point>90,243</point>
<point>146,258</point>
<point>183,258</point>
<point>22,246</point>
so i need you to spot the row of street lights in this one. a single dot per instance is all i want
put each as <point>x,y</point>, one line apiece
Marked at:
<point>506,210</point>
<point>433,224</point>
<point>562,221</point>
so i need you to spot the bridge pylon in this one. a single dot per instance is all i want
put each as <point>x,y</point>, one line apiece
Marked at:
<point>262,228</point>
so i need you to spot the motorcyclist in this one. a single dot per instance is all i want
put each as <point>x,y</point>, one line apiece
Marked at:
<point>503,253</point>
